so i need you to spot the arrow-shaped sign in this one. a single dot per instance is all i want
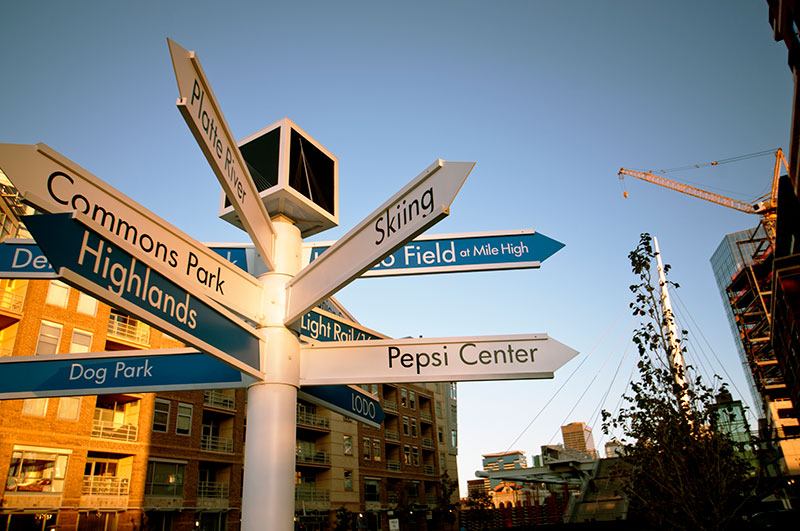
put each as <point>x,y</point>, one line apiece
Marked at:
<point>318,325</point>
<point>134,371</point>
<point>416,207</point>
<point>449,359</point>
<point>93,264</point>
<point>452,253</point>
<point>204,117</point>
<point>347,400</point>
<point>52,183</point>
<point>22,258</point>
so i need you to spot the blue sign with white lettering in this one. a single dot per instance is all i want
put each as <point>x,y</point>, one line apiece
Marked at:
<point>321,326</point>
<point>464,252</point>
<point>102,373</point>
<point>91,263</point>
<point>346,400</point>
<point>24,259</point>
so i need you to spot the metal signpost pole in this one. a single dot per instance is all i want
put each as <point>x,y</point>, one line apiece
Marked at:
<point>269,462</point>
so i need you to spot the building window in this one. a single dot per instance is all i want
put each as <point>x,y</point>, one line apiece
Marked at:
<point>407,454</point>
<point>372,490</point>
<point>453,412</point>
<point>87,304</point>
<point>413,427</point>
<point>367,448</point>
<point>36,407</point>
<point>37,471</point>
<point>412,400</point>
<point>441,435</point>
<point>442,461</point>
<point>439,413</point>
<point>413,491</point>
<point>81,341</point>
<point>164,479</point>
<point>404,397</point>
<point>405,425</point>
<point>49,335</point>
<point>57,293</point>
<point>453,390</point>
<point>454,438</point>
<point>376,449</point>
<point>183,421</point>
<point>161,415</point>
<point>347,443</point>
<point>69,407</point>
<point>348,480</point>
<point>438,387</point>
<point>415,455</point>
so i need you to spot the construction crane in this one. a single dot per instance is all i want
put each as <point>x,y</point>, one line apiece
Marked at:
<point>765,206</point>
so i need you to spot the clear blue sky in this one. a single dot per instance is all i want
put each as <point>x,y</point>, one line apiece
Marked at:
<point>549,99</point>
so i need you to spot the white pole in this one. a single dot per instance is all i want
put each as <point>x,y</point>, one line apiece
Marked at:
<point>269,461</point>
<point>674,354</point>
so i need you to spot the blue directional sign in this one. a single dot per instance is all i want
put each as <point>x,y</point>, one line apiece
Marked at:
<point>89,262</point>
<point>135,371</point>
<point>347,400</point>
<point>24,259</point>
<point>477,251</point>
<point>319,325</point>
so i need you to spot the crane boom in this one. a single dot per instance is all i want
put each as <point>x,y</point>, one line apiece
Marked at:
<point>691,190</point>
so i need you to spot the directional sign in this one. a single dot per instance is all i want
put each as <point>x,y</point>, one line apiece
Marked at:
<point>129,371</point>
<point>451,253</point>
<point>202,113</point>
<point>53,183</point>
<point>319,325</point>
<point>91,263</point>
<point>449,359</point>
<point>347,400</point>
<point>24,259</point>
<point>412,210</point>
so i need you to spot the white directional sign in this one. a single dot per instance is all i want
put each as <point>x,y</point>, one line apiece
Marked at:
<point>449,359</point>
<point>52,183</point>
<point>202,113</point>
<point>412,210</point>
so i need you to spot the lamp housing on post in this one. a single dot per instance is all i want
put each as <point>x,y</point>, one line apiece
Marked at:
<point>294,175</point>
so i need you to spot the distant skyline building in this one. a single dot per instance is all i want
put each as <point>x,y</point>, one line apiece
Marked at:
<point>578,436</point>
<point>502,461</point>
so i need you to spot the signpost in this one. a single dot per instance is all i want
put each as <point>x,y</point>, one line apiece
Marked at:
<point>452,253</point>
<point>348,400</point>
<point>134,371</point>
<point>55,184</point>
<point>516,357</point>
<point>24,259</point>
<point>416,207</point>
<point>93,264</point>
<point>319,325</point>
<point>202,113</point>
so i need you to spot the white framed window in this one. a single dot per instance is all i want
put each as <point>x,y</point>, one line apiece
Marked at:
<point>69,407</point>
<point>454,438</point>
<point>405,426</point>
<point>415,455</point>
<point>49,336</point>
<point>183,420</point>
<point>36,407</point>
<point>161,415</point>
<point>87,304</point>
<point>57,294</point>
<point>35,469</point>
<point>81,341</point>
<point>347,444</point>
<point>367,448</point>
<point>412,400</point>
<point>404,397</point>
<point>348,480</point>
<point>413,427</point>
<point>376,449</point>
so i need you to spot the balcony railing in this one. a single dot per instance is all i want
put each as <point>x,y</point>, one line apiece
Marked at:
<point>393,497</point>
<point>426,416</point>
<point>102,429</point>
<point>219,399</point>
<point>310,419</point>
<point>213,489</point>
<point>390,406</point>
<point>213,443</point>
<point>104,486</point>
<point>427,442</point>
<point>319,458</point>
<point>11,301</point>
<point>128,328</point>
<point>308,493</point>
<point>429,470</point>
<point>391,435</point>
<point>394,466</point>
<point>430,500</point>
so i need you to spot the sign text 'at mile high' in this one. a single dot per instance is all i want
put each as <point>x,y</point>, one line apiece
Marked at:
<point>93,264</point>
<point>54,184</point>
